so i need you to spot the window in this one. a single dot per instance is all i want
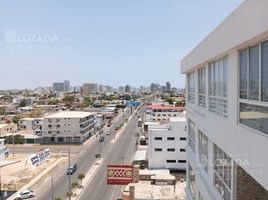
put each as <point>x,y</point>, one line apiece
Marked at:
<point>170,149</point>
<point>191,87</point>
<point>49,126</point>
<point>191,181</point>
<point>253,65</point>
<point>191,134</point>
<point>200,196</point>
<point>202,87</point>
<point>203,149</point>
<point>222,172</point>
<point>157,149</point>
<point>171,161</point>
<point>182,138</point>
<point>218,102</point>
<point>264,72</point>
<point>49,132</point>
<point>255,117</point>
<point>158,138</point>
<point>171,138</point>
<point>181,161</point>
<point>243,73</point>
<point>182,150</point>
<point>58,132</point>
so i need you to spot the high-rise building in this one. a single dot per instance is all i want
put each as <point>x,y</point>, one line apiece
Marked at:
<point>90,88</point>
<point>121,89</point>
<point>163,89</point>
<point>168,87</point>
<point>58,87</point>
<point>227,112</point>
<point>66,86</point>
<point>127,89</point>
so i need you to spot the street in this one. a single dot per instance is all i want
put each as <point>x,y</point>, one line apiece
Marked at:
<point>111,152</point>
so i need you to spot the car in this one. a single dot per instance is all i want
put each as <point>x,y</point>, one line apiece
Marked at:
<point>72,169</point>
<point>101,132</point>
<point>109,125</point>
<point>25,194</point>
<point>108,133</point>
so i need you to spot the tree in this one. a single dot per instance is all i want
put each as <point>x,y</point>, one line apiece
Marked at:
<point>179,103</point>
<point>69,194</point>
<point>53,102</point>
<point>98,156</point>
<point>170,101</point>
<point>81,177</point>
<point>15,119</point>
<point>57,198</point>
<point>74,186</point>
<point>22,103</point>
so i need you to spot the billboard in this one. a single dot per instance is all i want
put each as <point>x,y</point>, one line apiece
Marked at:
<point>119,174</point>
<point>40,157</point>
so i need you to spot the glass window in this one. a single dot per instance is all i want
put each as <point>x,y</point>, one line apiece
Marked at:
<point>191,87</point>
<point>170,149</point>
<point>157,149</point>
<point>171,138</point>
<point>203,149</point>
<point>264,72</point>
<point>202,87</point>
<point>254,73</point>
<point>171,161</point>
<point>218,87</point>
<point>254,116</point>
<point>243,73</point>
<point>222,172</point>
<point>191,134</point>
<point>158,138</point>
<point>191,181</point>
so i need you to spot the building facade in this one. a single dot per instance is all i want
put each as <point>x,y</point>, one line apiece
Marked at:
<point>68,127</point>
<point>90,88</point>
<point>166,145</point>
<point>158,113</point>
<point>227,110</point>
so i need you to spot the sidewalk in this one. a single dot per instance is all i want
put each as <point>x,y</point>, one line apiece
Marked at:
<point>37,178</point>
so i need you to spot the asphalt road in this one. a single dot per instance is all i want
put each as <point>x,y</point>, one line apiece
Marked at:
<point>121,151</point>
<point>84,159</point>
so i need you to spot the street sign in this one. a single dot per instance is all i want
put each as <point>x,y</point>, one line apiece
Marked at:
<point>119,174</point>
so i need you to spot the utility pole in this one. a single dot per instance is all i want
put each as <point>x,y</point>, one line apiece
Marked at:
<point>52,188</point>
<point>69,173</point>
<point>13,144</point>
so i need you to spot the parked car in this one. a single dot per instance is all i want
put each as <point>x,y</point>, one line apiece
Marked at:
<point>25,194</point>
<point>72,169</point>
<point>101,132</point>
<point>101,139</point>
<point>108,133</point>
<point>108,125</point>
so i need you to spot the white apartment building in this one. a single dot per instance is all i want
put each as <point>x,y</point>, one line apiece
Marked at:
<point>159,113</point>
<point>30,123</point>
<point>166,145</point>
<point>227,108</point>
<point>90,88</point>
<point>68,127</point>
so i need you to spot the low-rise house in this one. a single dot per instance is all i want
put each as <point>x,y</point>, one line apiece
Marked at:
<point>4,152</point>
<point>162,113</point>
<point>7,128</point>
<point>68,127</point>
<point>166,145</point>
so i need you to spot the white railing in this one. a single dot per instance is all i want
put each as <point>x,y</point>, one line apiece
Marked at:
<point>218,105</point>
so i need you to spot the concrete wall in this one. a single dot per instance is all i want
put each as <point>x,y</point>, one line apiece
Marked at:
<point>157,160</point>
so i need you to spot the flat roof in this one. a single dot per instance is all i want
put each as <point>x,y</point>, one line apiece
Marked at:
<point>69,114</point>
<point>165,107</point>
<point>177,119</point>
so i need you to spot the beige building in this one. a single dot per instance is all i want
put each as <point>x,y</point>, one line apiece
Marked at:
<point>68,127</point>
<point>7,128</point>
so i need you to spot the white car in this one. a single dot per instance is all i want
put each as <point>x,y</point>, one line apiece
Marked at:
<point>25,194</point>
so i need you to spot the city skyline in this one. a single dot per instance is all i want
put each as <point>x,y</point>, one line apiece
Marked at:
<point>116,43</point>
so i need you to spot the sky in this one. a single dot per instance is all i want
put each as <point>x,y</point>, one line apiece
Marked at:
<point>112,42</point>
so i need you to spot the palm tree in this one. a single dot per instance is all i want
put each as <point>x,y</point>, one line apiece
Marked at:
<point>81,177</point>
<point>69,194</point>
<point>74,186</point>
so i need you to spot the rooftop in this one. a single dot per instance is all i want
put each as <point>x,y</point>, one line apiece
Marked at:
<point>69,114</point>
<point>164,107</point>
